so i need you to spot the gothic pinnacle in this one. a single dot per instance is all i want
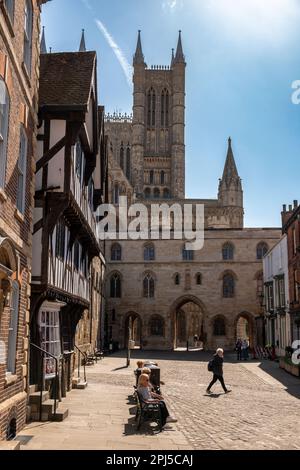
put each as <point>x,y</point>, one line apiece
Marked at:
<point>82,47</point>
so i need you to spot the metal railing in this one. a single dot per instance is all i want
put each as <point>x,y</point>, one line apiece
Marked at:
<point>84,355</point>
<point>44,353</point>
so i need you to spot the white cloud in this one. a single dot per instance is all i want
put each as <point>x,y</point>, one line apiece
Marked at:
<point>171,4</point>
<point>127,68</point>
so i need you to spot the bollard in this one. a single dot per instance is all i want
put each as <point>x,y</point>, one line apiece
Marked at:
<point>187,345</point>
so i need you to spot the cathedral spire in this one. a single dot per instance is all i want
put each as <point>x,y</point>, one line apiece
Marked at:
<point>179,58</point>
<point>43,43</point>
<point>138,58</point>
<point>230,169</point>
<point>82,47</point>
<point>173,58</point>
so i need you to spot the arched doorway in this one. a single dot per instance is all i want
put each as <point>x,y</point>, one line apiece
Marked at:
<point>244,327</point>
<point>188,321</point>
<point>133,330</point>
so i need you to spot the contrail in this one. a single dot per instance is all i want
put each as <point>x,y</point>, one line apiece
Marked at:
<point>127,68</point>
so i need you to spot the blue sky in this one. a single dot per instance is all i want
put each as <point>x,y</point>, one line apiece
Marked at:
<point>242,58</point>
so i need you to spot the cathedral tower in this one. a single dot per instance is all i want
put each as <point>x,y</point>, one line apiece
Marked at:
<point>231,191</point>
<point>158,143</point>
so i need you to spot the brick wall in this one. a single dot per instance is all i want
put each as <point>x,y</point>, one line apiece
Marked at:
<point>22,87</point>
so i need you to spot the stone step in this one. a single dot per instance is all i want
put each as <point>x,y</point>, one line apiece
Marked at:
<point>80,385</point>
<point>60,415</point>
<point>10,445</point>
<point>33,389</point>
<point>34,398</point>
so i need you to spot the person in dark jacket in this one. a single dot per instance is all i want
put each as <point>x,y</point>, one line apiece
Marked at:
<point>218,371</point>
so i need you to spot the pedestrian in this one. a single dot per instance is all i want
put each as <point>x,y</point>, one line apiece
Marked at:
<point>195,341</point>
<point>245,349</point>
<point>238,348</point>
<point>216,366</point>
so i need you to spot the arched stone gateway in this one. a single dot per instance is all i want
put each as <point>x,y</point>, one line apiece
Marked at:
<point>133,329</point>
<point>187,320</point>
<point>245,328</point>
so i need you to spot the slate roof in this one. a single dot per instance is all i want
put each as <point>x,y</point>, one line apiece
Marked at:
<point>65,79</point>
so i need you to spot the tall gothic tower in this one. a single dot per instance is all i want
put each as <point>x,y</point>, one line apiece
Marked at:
<point>231,191</point>
<point>158,141</point>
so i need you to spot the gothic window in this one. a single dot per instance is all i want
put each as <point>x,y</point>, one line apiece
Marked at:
<point>60,240</point>
<point>177,279</point>
<point>4,115</point>
<point>116,252</point>
<point>22,171</point>
<point>219,327</point>
<point>156,193</point>
<point>228,252</point>
<point>166,193</point>
<point>151,105</point>
<point>261,250</point>
<point>165,108</point>
<point>148,286</point>
<point>13,329</point>
<point>151,177</point>
<point>128,163</point>
<point>198,279</point>
<point>228,286</point>
<point>10,8</point>
<point>156,326</point>
<point>149,252</point>
<point>162,177</point>
<point>28,35</point>
<point>122,156</point>
<point>147,193</point>
<point>115,286</point>
<point>187,255</point>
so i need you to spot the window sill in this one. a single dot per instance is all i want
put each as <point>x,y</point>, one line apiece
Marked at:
<point>8,20</point>
<point>26,73</point>
<point>19,216</point>
<point>10,379</point>
<point>3,197</point>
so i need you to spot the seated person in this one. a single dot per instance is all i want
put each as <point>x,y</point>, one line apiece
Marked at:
<point>138,370</point>
<point>151,397</point>
<point>154,388</point>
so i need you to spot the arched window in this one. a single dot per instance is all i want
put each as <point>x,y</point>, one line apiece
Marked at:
<point>116,193</point>
<point>148,286</point>
<point>4,117</point>
<point>166,193</point>
<point>122,156</point>
<point>115,286</point>
<point>149,252</point>
<point>219,327</point>
<point>162,177</point>
<point>228,252</point>
<point>261,250</point>
<point>147,193</point>
<point>228,286</point>
<point>157,326</point>
<point>187,255</point>
<point>156,193</point>
<point>177,279</point>
<point>28,35</point>
<point>165,108</point>
<point>198,279</point>
<point>116,252</point>
<point>128,163</point>
<point>13,329</point>
<point>151,177</point>
<point>10,8</point>
<point>151,105</point>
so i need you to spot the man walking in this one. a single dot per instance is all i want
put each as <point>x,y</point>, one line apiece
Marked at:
<point>217,369</point>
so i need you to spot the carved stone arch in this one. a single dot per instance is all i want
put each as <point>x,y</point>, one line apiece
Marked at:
<point>250,318</point>
<point>8,254</point>
<point>226,273</point>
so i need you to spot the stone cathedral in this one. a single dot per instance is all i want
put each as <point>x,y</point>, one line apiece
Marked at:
<point>159,294</point>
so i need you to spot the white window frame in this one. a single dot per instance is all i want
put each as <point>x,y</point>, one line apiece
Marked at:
<point>4,123</point>
<point>13,329</point>
<point>50,341</point>
<point>28,27</point>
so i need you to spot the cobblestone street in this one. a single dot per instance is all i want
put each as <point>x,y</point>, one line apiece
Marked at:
<point>262,412</point>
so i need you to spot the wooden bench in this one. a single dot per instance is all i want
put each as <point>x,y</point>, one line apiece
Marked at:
<point>147,412</point>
